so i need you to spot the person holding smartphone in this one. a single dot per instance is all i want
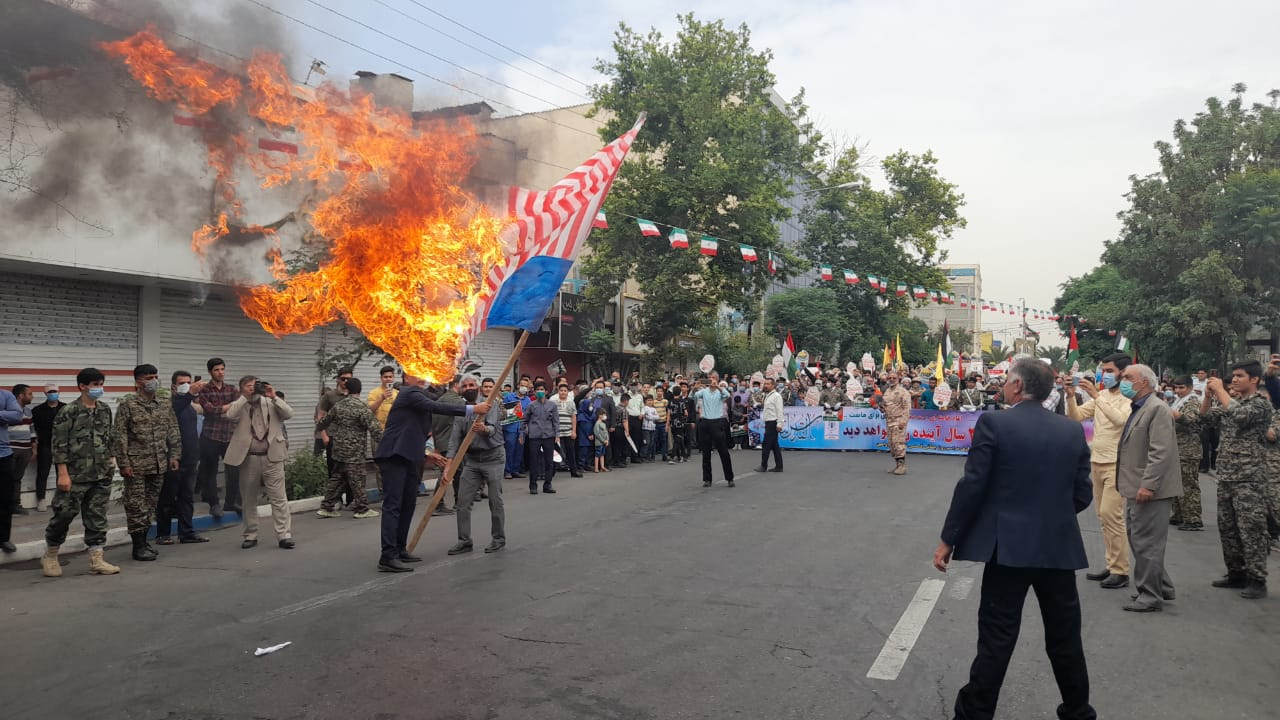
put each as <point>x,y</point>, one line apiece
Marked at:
<point>384,396</point>
<point>258,449</point>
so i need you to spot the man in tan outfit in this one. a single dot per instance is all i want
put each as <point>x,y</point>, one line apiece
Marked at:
<point>1110,411</point>
<point>258,448</point>
<point>897,413</point>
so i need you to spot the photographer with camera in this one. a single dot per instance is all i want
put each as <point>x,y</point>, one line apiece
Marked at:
<point>258,448</point>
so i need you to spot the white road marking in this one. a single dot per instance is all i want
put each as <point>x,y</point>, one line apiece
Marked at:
<point>960,588</point>
<point>904,635</point>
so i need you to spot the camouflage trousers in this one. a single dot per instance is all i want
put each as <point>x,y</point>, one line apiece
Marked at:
<point>1186,509</point>
<point>1273,508</point>
<point>87,500</point>
<point>1242,526</point>
<point>897,440</point>
<point>348,477</point>
<point>141,493</point>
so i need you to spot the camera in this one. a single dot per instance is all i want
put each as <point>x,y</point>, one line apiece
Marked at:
<point>260,387</point>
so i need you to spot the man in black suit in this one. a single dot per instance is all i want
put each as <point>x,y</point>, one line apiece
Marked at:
<point>401,457</point>
<point>1026,479</point>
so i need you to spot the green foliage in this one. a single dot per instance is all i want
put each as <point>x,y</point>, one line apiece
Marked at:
<point>1105,299</point>
<point>305,475</point>
<point>1200,241</point>
<point>814,317</point>
<point>603,346</point>
<point>716,155</point>
<point>735,352</point>
<point>1056,355</point>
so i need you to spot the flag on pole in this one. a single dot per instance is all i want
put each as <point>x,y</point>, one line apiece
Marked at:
<point>888,361</point>
<point>678,238</point>
<point>748,253</point>
<point>600,221</point>
<point>851,278</point>
<point>648,228</point>
<point>788,356</point>
<point>901,290</point>
<point>1122,344</point>
<point>826,272</point>
<point>1073,352</point>
<point>946,344</point>
<point>774,264</point>
<point>550,227</point>
<point>897,350</point>
<point>937,368</point>
<point>709,245</point>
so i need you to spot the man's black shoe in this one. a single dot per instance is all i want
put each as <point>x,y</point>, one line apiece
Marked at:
<point>1115,581</point>
<point>248,544</point>
<point>1234,582</point>
<point>8,547</point>
<point>443,509</point>
<point>762,468</point>
<point>393,565</point>
<point>731,484</point>
<point>495,546</point>
<point>706,483</point>
<point>287,544</point>
<point>191,539</point>
<point>407,557</point>
<point>517,475</point>
<point>19,510</point>
<point>1255,591</point>
<point>462,547</point>
<point>546,488</point>
<point>1191,527</point>
<point>1102,575</point>
<point>533,489</point>
<point>1140,608</point>
<point>575,473</point>
<point>777,469</point>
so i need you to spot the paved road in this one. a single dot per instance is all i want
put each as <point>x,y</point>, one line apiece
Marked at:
<point>632,595</point>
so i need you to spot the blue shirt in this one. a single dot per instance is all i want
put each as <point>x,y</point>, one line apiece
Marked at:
<point>711,402</point>
<point>10,414</point>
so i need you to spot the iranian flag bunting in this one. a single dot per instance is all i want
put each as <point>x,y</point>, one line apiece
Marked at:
<point>748,253</point>
<point>774,264</point>
<point>648,228</point>
<point>678,238</point>
<point>933,295</point>
<point>874,282</point>
<point>901,290</point>
<point>709,245</point>
<point>919,293</point>
<point>826,272</point>
<point>600,221</point>
<point>851,278</point>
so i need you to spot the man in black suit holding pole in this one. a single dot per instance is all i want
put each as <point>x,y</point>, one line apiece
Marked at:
<point>1026,479</point>
<point>401,456</point>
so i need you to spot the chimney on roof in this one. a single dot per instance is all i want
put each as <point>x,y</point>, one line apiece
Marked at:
<point>387,89</point>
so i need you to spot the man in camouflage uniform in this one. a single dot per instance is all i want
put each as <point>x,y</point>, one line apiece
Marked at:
<point>148,444</point>
<point>1273,478</point>
<point>349,423</point>
<point>1187,514</point>
<point>896,405</point>
<point>1242,481</point>
<point>83,438</point>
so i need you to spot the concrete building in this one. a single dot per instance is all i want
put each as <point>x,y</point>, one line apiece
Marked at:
<point>965,280</point>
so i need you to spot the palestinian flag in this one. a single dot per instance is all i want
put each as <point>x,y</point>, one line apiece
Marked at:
<point>1122,345</point>
<point>709,246</point>
<point>826,272</point>
<point>748,253</point>
<point>919,293</point>
<point>648,228</point>
<point>1073,352</point>
<point>678,238</point>
<point>901,290</point>
<point>851,278</point>
<point>600,221</point>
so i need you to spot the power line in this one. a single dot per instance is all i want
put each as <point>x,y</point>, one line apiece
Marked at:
<point>410,68</point>
<point>495,42</point>
<point>430,54</point>
<point>480,50</point>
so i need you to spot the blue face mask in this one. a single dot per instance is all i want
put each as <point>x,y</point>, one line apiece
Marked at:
<point>51,397</point>
<point>95,392</point>
<point>599,391</point>
<point>1108,380</point>
<point>1126,389</point>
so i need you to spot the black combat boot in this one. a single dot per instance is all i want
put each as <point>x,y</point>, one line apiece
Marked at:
<point>141,550</point>
<point>1254,590</point>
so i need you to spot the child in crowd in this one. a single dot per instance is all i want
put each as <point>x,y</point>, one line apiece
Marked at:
<point>601,434</point>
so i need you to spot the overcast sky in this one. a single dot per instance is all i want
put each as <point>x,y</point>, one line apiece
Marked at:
<point>1038,111</point>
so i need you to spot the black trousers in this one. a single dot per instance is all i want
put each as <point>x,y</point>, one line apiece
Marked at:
<point>44,463</point>
<point>400,480</point>
<point>714,434</point>
<point>619,450</point>
<point>1209,439</point>
<point>7,483</point>
<point>1004,590</point>
<point>177,496</point>
<point>636,426</point>
<point>542,464</point>
<point>211,452</point>
<point>771,444</point>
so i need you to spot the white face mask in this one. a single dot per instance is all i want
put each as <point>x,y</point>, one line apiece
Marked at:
<point>183,389</point>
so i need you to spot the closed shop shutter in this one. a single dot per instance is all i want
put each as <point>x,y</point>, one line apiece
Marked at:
<point>190,334</point>
<point>491,348</point>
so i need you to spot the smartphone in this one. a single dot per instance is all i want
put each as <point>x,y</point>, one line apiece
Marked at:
<point>198,378</point>
<point>1075,381</point>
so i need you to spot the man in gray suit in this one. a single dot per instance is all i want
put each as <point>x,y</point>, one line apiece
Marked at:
<point>1149,477</point>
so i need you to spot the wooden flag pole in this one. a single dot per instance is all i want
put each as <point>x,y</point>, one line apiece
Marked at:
<point>447,477</point>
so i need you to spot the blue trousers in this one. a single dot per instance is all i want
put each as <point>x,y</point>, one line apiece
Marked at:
<point>586,448</point>
<point>511,442</point>
<point>400,498</point>
<point>659,446</point>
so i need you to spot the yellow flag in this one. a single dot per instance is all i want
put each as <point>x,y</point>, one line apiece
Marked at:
<point>885,366</point>
<point>937,371</point>
<point>898,350</point>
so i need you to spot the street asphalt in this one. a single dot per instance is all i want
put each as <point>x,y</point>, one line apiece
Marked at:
<point>636,594</point>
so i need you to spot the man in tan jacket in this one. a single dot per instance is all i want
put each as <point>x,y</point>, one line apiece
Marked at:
<point>1149,477</point>
<point>1109,411</point>
<point>258,448</point>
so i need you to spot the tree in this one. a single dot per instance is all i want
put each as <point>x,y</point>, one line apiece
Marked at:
<point>1056,355</point>
<point>995,356</point>
<point>1106,300</point>
<point>736,352</point>
<point>813,316</point>
<point>893,232</point>
<point>716,156</point>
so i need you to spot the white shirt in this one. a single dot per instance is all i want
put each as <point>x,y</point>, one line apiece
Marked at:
<point>773,407</point>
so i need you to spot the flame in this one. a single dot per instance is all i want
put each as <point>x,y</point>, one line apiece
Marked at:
<point>407,248</point>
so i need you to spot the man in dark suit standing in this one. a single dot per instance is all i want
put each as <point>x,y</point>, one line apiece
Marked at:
<point>401,457</point>
<point>1026,479</point>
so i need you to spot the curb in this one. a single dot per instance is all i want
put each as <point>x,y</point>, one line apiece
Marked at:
<point>33,549</point>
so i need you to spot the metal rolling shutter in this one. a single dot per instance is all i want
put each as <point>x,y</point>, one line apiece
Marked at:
<point>190,334</point>
<point>492,348</point>
<point>58,323</point>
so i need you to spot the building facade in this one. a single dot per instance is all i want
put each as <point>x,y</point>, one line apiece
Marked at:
<point>966,281</point>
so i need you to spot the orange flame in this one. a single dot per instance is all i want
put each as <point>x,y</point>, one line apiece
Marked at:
<point>407,248</point>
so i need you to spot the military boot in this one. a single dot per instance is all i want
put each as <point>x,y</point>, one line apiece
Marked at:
<point>98,565</point>
<point>901,467</point>
<point>1255,590</point>
<point>141,550</point>
<point>49,562</point>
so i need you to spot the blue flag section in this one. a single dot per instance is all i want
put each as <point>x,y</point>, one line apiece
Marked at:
<point>526,297</point>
